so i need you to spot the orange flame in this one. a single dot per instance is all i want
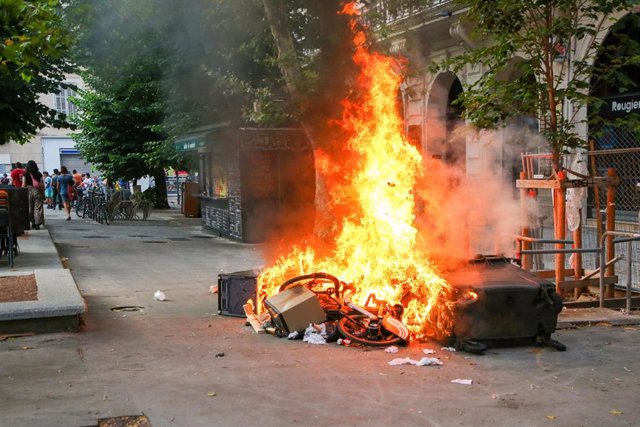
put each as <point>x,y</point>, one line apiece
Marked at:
<point>376,245</point>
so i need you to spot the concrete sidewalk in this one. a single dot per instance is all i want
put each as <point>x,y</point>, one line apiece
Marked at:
<point>181,364</point>
<point>59,304</point>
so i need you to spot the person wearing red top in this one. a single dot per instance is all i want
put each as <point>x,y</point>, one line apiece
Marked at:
<point>16,175</point>
<point>77,178</point>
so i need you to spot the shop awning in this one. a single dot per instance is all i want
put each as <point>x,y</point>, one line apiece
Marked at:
<point>190,143</point>
<point>197,137</point>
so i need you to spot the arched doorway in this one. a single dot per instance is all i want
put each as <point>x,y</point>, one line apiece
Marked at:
<point>618,144</point>
<point>444,138</point>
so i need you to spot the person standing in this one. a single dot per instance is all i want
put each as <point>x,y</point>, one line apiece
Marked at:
<point>65,180</point>
<point>16,175</point>
<point>33,180</point>
<point>77,178</point>
<point>48,189</point>
<point>5,180</point>
<point>56,195</point>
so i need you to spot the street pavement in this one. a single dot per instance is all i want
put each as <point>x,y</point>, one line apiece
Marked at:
<point>161,361</point>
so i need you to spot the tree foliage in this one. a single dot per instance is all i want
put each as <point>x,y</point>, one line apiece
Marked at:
<point>34,45</point>
<point>527,49</point>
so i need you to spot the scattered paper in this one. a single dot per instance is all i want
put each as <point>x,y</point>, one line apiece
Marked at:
<point>448,349</point>
<point>159,296</point>
<point>425,361</point>
<point>313,335</point>
<point>213,289</point>
<point>428,351</point>
<point>461,381</point>
<point>616,412</point>
<point>402,361</point>
<point>429,361</point>
<point>392,349</point>
<point>211,394</point>
<point>551,417</point>
<point>293,335</point>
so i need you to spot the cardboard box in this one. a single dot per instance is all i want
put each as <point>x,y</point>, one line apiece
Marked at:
<point>295,308</point>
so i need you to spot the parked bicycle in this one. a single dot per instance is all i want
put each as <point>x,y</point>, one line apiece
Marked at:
<point>94,205</point>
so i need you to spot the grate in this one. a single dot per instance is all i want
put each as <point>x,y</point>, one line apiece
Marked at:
<point>155,241</point>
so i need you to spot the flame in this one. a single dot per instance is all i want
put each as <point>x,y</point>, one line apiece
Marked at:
<point>376,247</point>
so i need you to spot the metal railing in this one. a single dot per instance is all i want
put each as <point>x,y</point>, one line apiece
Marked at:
<point>632,237</point>
<point>601,250</point>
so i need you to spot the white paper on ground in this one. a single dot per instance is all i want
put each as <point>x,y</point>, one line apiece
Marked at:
<point>463,382</point>
<point>429,361</point>
<point>313,336</point>
<point>425,361</point>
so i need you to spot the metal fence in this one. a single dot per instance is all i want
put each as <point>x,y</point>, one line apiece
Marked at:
<point>626,161</point>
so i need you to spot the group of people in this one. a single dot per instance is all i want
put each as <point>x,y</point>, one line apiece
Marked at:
<point>57,190</point>
<point>54,190</point>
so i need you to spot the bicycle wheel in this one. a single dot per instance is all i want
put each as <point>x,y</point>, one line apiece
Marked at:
<point>79,205</point>
<point>105,214</point>
<point>356,328</point>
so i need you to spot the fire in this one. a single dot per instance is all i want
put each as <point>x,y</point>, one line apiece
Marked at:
<point>376,247</point>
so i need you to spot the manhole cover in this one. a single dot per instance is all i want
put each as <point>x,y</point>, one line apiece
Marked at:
<point>155,241</point>
<point>127,308</point>
<point>202,237</point>
<point>178,239</point>
<point>97,237</point>
<point>125,421</point>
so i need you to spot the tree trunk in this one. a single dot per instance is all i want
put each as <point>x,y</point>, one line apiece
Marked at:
<point>276,12</point>
<point>161,200</point>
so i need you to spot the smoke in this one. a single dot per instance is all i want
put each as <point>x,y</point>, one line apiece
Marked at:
<point>471,206</point>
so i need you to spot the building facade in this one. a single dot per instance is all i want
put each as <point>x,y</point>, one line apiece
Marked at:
<point>431,34</point>
<point>50,148</point>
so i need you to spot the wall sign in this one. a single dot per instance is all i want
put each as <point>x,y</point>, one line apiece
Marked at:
<point>620,105</point>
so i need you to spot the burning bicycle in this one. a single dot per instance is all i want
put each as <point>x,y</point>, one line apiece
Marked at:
<point>377,323</point>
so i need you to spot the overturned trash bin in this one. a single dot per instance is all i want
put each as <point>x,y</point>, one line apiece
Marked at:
<point>234,290</point>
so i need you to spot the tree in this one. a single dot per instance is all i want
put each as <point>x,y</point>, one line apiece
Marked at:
<point>314,51</point>
<point>121,113</point>
<point>171,69</point>
<point>34,45</point>
<point>538,39</point>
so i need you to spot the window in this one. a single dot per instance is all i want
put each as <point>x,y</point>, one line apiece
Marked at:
<point>63,103</point>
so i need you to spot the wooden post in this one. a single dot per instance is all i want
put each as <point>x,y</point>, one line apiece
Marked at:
<point>611,225</point>
<point>577,257</point>
<point>596,193</point>
<point>524,224</point>
<point>560,228</point>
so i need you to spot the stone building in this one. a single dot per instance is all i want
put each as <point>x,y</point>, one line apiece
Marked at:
<point>432,33</point>
<point>50,147</point>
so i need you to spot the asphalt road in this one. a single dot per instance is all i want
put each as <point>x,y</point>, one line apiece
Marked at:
<point>161,361</point>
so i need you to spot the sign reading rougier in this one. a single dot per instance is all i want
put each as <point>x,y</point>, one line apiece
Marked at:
<point>620,105</point>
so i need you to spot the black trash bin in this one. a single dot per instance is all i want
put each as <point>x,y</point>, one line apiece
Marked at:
<point>19,208</point>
